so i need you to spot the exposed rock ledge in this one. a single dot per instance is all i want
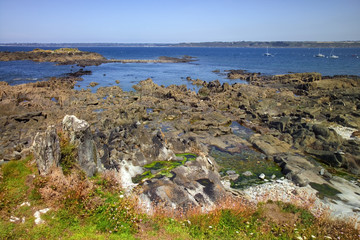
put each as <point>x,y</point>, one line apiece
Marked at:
<point>70,56</point>
<point>294,117</point>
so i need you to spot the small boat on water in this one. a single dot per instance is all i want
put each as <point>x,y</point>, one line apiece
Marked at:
<point>319,55</point>
<point>267,54</point>
<point>332,55</point>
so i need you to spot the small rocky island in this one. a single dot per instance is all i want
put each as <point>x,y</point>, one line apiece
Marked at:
<point>72,56</point>
<point>171,146</point>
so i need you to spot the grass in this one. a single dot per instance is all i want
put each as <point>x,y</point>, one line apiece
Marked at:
<point>96,208</point>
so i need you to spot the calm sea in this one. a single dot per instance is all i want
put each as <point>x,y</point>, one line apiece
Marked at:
<point>284,60</point>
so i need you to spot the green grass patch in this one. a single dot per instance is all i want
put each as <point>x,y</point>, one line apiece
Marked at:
<point>13,189</point>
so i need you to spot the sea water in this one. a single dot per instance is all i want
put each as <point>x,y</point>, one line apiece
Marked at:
<point>282,61</point>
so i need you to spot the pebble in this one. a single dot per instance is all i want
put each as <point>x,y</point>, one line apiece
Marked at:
<point>38,219</point>
<point>247,174</point>
<point>262,176</point>
<point>14,219</point>
<point>25,204</point>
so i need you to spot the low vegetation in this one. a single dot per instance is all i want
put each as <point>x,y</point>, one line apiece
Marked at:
<point>97,208</point>
<point>60,50</point>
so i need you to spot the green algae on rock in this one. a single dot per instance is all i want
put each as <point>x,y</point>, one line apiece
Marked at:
<point>163,168</point>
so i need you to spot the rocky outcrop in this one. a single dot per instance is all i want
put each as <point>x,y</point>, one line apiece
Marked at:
<point>80,135</point>
<point>193,184</point>
<point>125,132</point>
<point>46,149</point>
<point>60,56</point>
<point>71,56</point>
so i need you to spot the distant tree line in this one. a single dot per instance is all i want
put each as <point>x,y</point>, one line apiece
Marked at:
<point>250,44</point>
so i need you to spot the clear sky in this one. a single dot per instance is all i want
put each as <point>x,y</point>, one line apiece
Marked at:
<point>172,21</point>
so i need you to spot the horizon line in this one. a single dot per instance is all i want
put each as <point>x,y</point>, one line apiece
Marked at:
<point>196,42</point>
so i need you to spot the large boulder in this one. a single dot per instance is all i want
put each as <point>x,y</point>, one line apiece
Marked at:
<point>46,149</point>
<point>193,184</point>
<point>80,135</point>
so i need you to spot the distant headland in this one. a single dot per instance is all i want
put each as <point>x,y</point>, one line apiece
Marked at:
<point>69,56</point>
<point>244,44</point>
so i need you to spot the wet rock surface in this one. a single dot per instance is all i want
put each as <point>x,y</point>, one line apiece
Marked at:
<point>298,121</point>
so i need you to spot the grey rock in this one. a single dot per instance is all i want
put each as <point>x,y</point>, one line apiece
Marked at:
<point>247,173</point>
<point>230,172</point>
<point>80,135</point>
<point>262,176</point>
<point>46,149</point>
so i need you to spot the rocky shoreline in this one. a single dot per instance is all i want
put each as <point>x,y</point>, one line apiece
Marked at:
<point>305,123</point>
<point>73,56</point>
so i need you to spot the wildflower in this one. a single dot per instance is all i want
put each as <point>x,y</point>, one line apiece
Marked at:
<point>121,196</point>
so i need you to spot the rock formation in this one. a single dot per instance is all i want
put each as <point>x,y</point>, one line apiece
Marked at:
<point>46,148</point>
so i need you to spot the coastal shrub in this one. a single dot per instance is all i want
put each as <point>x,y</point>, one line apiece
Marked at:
<point>68,154</point>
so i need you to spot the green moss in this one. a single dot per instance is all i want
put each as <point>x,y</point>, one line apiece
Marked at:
<point>163,168</point>
<point>325,190</point>
<point>246,159</point>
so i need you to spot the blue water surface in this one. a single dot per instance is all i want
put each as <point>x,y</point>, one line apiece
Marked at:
<point>284,60</point>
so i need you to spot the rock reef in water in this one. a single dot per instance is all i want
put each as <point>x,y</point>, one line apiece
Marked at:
<point>70,56</point>
<point>293,116</point>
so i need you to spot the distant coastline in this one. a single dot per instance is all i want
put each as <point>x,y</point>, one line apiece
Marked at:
<point>235,44</point>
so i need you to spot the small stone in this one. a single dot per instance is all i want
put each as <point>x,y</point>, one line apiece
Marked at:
<point>247,174</point>
<point>25,204</point>
<point>93,84</point>
<point>322,171</point>
<point>273,176</point>
<point>38,220</point>
<point>230,172</point>
<point>262,176</point>
<point>14,219</point>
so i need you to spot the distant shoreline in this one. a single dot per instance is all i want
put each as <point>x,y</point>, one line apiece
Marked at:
<point>236,44</point>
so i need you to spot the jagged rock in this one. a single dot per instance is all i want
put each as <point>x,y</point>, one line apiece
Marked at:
<point>192,184</point>
<point>46,149</point>
<point>298,169</point>
<point>80,135</point>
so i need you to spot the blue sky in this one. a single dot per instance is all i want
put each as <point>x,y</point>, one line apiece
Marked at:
<point>172,21</point>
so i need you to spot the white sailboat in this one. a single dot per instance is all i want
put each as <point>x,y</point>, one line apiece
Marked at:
<point>319,55</point>
<point>267,54</point>
<point>333,55</point>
